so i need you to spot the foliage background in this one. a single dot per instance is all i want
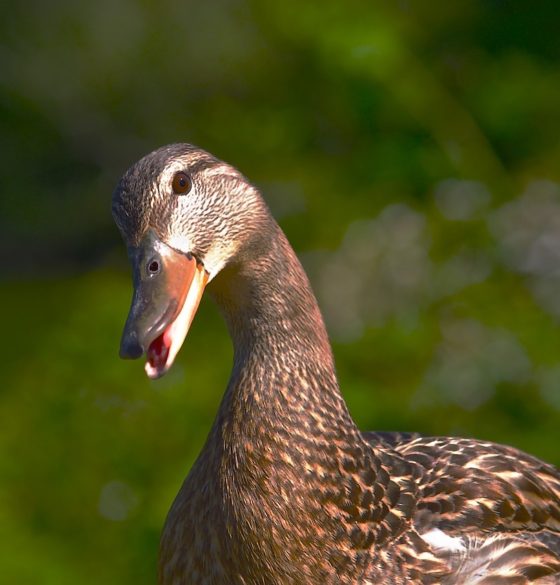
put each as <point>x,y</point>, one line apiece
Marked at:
<point>409,149</point>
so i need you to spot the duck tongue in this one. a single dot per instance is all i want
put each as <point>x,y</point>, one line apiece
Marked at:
<point>157,355</point>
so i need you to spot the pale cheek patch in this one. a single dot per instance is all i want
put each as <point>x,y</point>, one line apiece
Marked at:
<point>218,255</point>
<point>214,260</point>
<point>179,242</point>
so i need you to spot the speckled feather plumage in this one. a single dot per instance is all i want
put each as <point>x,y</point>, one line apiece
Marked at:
<point>286,489</point>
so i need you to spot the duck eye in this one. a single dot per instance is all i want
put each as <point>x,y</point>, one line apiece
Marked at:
<point>181,183</point>
<point>153,267</point>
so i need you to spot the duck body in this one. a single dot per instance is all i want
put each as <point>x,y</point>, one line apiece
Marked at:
<point>287,490</point>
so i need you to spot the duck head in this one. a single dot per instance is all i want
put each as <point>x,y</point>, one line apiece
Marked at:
<point>184,215</point>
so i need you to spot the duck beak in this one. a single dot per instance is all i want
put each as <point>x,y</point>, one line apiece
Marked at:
<point>168,286</point>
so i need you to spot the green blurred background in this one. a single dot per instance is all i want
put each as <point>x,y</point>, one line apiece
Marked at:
<point>410,149</point>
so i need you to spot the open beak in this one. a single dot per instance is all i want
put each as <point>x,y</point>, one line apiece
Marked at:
<point>168,286</point>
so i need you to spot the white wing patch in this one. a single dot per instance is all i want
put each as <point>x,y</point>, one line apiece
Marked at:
<point>437,539</point>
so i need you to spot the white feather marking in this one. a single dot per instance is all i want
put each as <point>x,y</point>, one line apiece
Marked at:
<point>437,539</point>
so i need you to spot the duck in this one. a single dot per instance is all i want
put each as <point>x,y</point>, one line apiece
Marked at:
<point>287,489</point>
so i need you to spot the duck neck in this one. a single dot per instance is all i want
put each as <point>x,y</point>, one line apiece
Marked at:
<point>283,447</point>
<point>283,378</point>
